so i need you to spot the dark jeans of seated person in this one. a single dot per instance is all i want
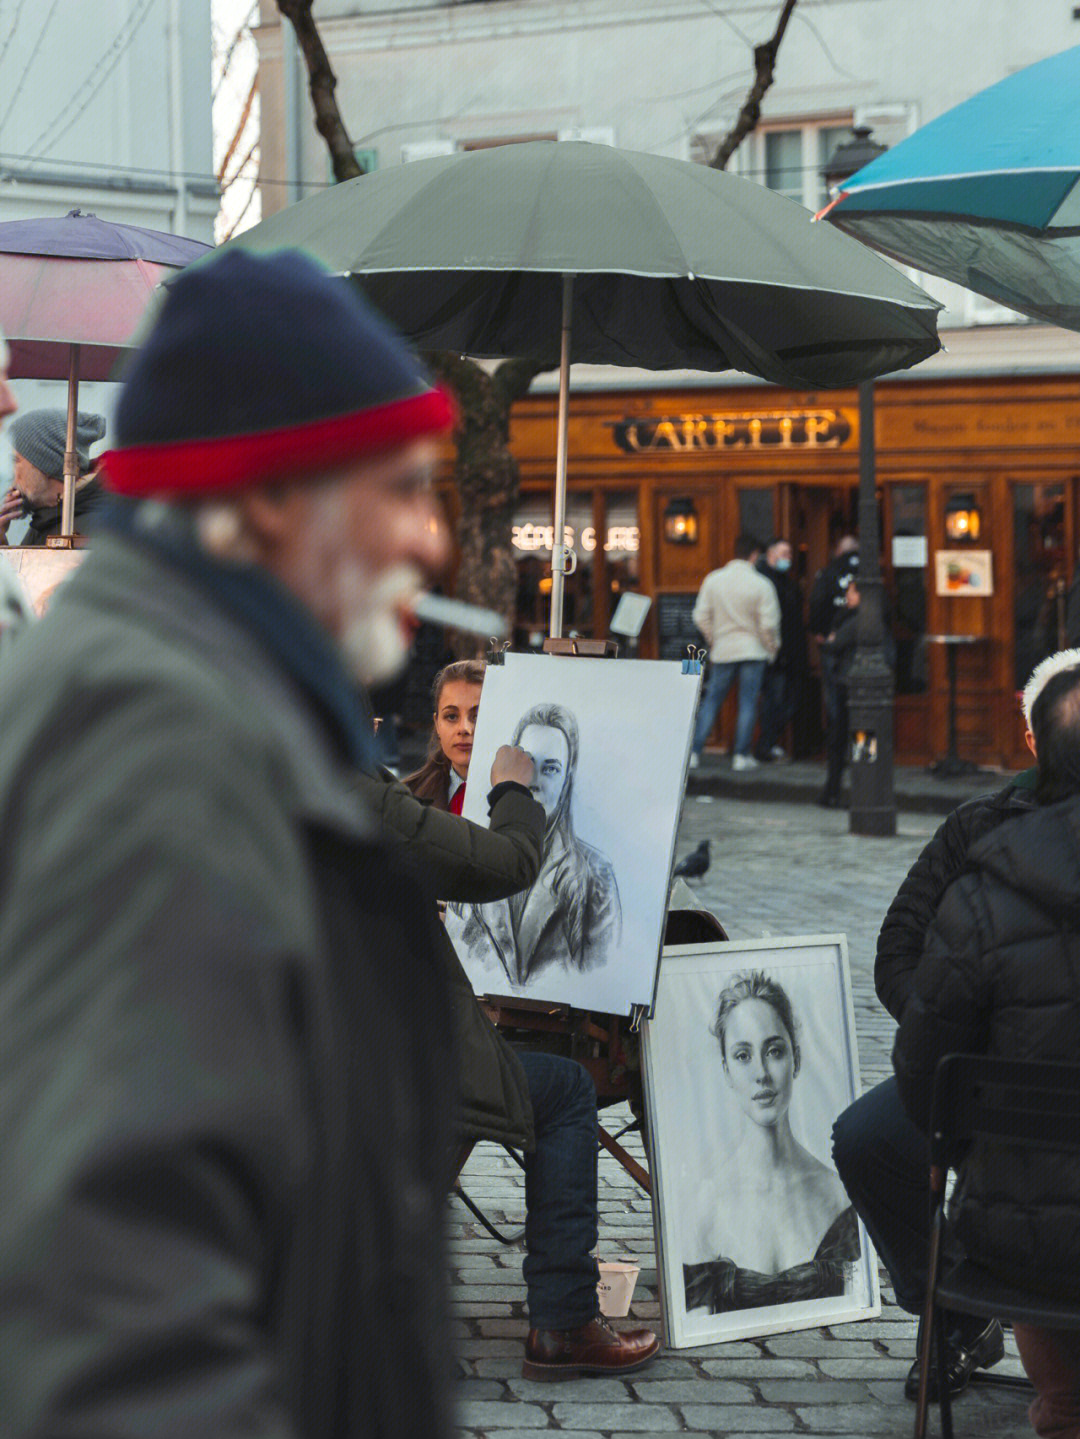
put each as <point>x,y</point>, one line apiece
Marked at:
<point>882,1159</point>
<point>560,1194</point>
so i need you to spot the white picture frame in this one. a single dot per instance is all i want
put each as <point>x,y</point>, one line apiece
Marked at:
<point>734,1262</point>
<point>612,831</point>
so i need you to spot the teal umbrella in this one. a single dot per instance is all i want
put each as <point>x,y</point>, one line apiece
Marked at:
<point>986,195</point>
<point>576,253</point>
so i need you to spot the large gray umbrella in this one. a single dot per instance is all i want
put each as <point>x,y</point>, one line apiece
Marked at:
<point>571,252</point>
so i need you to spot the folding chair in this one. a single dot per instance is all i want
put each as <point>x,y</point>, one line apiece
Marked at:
<point>1022,1102</point>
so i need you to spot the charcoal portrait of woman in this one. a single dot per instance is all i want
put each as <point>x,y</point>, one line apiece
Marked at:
<point>775,1226</point>
<point>571,917</point>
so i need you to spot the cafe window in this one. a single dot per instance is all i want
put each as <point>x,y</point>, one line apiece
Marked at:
<point>1041,559</point>
<point>790,158</point>
<point>756,510</point>
<point>602,529</point>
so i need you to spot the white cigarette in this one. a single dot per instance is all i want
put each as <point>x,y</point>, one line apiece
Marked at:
<point>456,615</point>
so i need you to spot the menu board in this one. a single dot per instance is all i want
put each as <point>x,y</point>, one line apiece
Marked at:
<point>675,625</point>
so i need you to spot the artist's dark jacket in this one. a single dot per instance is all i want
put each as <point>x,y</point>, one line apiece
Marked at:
<point>1000,974</point>
<point>223,1046</point>
<point>465,862</point>
<point>90,500</point>
<point>903,933</point>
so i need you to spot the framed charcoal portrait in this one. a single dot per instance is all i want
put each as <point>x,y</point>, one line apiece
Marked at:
<point>588,933</point>
<point>749,1058</point>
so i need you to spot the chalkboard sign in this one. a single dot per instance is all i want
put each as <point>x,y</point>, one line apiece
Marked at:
<point>675,625</point>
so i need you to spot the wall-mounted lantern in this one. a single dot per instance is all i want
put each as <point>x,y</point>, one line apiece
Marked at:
<point>963,519</point>
<point>681,521</point>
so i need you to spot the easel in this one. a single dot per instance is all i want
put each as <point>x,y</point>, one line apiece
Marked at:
<point>596,1041</point>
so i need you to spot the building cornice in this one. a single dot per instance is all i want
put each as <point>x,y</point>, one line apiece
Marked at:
<point>503,20</point>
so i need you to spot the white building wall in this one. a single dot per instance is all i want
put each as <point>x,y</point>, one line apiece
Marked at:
<point>650,74</point>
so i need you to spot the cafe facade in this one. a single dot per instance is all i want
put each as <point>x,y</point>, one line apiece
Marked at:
<point>978,481</point>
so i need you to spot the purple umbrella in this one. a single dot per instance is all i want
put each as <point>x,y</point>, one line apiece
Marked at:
<point>72,293</point>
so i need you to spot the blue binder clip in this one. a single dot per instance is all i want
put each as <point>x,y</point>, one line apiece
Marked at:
<point>691,665</point>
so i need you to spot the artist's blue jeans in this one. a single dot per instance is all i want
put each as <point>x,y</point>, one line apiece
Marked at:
<point>883,1160</point>
<point>749,674</point>
<point>560,1194</point>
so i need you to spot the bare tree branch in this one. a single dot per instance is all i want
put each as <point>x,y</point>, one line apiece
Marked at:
<point>764,72</point>
<point>322,82</point>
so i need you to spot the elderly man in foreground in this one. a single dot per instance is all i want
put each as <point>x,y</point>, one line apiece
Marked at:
<point>223,1038</point>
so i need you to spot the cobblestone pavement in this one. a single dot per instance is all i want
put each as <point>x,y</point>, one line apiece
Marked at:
<point>776,869</point>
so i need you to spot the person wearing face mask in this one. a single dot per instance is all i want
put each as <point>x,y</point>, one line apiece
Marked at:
<point>784,675</point>
<point>778,1226</point>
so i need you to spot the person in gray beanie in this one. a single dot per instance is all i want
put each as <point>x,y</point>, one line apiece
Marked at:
<point>39,439</point>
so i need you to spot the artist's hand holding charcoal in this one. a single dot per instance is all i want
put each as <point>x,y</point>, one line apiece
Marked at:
<point>512,763</point>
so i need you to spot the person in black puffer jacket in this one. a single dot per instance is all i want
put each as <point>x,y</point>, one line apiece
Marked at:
<point>879,1153</point>
<point>1000,974</point>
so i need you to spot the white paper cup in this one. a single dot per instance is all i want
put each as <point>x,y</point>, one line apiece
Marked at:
<point>616,1287</point>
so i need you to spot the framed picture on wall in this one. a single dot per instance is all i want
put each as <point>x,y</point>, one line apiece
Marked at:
<point>964,572</point>
<point>749,1058</point>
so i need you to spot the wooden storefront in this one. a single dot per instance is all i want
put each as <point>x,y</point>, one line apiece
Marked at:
<point>774,461</point>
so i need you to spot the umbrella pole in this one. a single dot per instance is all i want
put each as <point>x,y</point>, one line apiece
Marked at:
<point>71,459</point>
<point>563,560</point>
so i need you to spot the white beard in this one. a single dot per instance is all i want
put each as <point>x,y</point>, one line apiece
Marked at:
<point>373,642</point>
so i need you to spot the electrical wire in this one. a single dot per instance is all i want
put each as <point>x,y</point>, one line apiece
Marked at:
<point>110,58</point>
<point>28,65</point>
<point>11,33</point>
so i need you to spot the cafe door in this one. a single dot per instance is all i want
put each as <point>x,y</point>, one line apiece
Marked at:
<point>814,517</point>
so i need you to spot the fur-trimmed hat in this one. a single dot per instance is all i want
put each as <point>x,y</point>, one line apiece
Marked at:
<point>264,367</point>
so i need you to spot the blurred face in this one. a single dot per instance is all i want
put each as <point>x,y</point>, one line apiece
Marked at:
<point>37,489</point>
<point>759,1061</point>
<point>356,548</point>
<point>455,722</point>
<point>779,555</point>
<point>550,752</point>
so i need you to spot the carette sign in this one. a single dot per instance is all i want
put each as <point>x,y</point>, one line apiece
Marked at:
<point>785,430</point>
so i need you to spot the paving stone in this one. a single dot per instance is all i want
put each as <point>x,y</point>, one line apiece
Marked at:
<point>737,1419</point>
<point>812,1342</point>
<point>628,1418</point>
<point>587,1390</point>
<point>815,1391</point>
<point>763,1367</point>
<point>880,1367</point>
<point>502,1414</point>
<point>698,1390</point>
<point>470,1309</point>
<point>472,1391</point>
<point>852,1419</point>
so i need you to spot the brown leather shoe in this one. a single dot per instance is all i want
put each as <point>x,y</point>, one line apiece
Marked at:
<point>595,1348</point>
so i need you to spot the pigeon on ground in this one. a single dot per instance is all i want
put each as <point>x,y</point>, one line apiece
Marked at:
<point>696,862</point>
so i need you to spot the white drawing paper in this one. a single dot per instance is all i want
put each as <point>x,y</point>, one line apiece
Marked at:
<point>612,741</point>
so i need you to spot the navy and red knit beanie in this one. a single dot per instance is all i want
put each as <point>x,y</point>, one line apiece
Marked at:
<point>263,368</point>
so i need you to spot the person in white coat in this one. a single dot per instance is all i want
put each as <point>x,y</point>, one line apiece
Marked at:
<point>738,612</point>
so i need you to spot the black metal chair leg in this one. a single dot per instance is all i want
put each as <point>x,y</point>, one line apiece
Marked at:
<point>944,1397</point>
<point>479,1215</point>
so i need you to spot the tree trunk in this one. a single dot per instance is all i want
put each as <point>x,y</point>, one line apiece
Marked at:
<point>764,73</point>
<point>322,82</point>
<point>486,472</point>
<point>488,482</point>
